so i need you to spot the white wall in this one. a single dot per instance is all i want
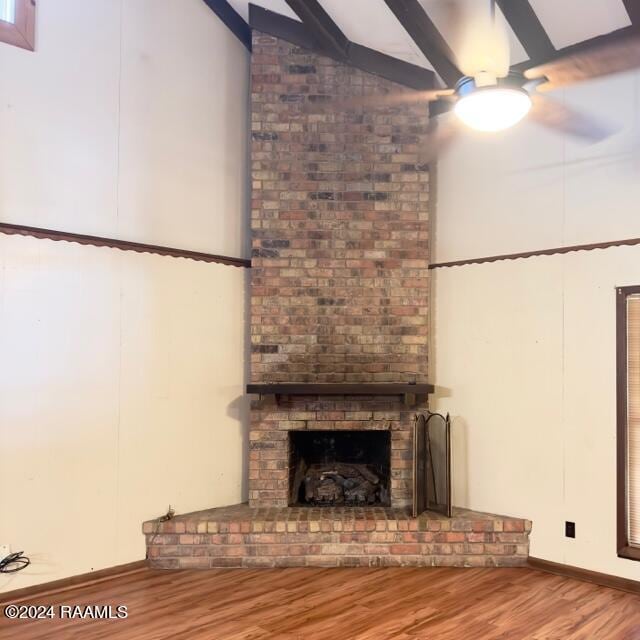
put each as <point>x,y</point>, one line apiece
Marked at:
<point>129,121</point>
<point>121,374</point>
<point>524,351</point>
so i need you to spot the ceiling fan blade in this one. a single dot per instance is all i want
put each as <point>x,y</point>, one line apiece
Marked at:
<point>392,99</point>
<point>559,117</point>
<point>621,54</point>
<point>442,133</point>
<point>480,37</point>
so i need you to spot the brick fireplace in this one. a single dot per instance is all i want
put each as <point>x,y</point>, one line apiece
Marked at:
<point>339,295</point>
<point>340,258</point>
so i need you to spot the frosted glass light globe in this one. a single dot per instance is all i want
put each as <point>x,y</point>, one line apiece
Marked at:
<point>493,109</point>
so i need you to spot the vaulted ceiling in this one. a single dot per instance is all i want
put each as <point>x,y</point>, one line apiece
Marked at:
<point>373,24</point>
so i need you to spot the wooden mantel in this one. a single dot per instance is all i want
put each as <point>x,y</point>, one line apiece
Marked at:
<point>407,390</point>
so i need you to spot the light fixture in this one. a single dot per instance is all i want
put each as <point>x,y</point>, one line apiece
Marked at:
<point>491,108</point>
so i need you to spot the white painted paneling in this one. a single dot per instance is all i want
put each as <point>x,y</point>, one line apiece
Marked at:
<point>59,120</point>
<point>182,394</point>
<point>183,141</point>
<point>602,185</point>
<point>529,188</point>
<point>59,328</point>
<point>525,349</point>
<point>121,377</point>
<point>497,361</point>
<point>590,406</point>
<point>499,193</point>
<point>121,392</point>
<point>133,124</point>
<point>525,356</point>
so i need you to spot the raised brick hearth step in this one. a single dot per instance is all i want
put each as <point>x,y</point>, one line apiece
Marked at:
<point>240,536</point>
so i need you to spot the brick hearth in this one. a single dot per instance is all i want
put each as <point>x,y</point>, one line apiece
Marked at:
<point>240,536</point>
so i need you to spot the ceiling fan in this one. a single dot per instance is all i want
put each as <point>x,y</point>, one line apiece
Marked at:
<point>493,96</point>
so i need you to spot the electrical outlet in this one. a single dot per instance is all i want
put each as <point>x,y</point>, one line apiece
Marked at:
<point>5,550</point>
<point>570,529</point>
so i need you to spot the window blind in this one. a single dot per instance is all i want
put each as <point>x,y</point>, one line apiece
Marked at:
<point>8,10</point>
<point>633,418</point>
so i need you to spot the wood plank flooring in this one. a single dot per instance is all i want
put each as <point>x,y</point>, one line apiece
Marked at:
<point>343,604</point>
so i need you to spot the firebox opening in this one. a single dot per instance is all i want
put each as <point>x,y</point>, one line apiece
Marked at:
<point>339,468</point>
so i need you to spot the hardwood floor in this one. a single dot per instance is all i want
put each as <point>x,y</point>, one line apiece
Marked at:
<point>363,604</point>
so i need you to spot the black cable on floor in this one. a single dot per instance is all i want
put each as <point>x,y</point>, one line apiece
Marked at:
<point>14,562</point>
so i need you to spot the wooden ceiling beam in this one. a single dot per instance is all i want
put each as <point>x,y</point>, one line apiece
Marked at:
<point>424,33</point>
<point>527,27</point>
<point>633,9</point>
<point>322,28</point>
<point>359,56</point>
<point>617,36</point>
<point>232,19</point>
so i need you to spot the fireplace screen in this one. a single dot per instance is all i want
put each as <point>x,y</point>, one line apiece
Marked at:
<point>339,468</point>
<point>432,464</point>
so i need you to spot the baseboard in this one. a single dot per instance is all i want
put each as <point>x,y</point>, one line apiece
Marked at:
<point>93,577</point>
<point>72,582</point>
<point>602,579</point>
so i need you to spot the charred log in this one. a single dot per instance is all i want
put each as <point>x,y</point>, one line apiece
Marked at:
<point>342,484</point>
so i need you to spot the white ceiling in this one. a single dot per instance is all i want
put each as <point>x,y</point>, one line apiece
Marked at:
<point>371,23</point>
